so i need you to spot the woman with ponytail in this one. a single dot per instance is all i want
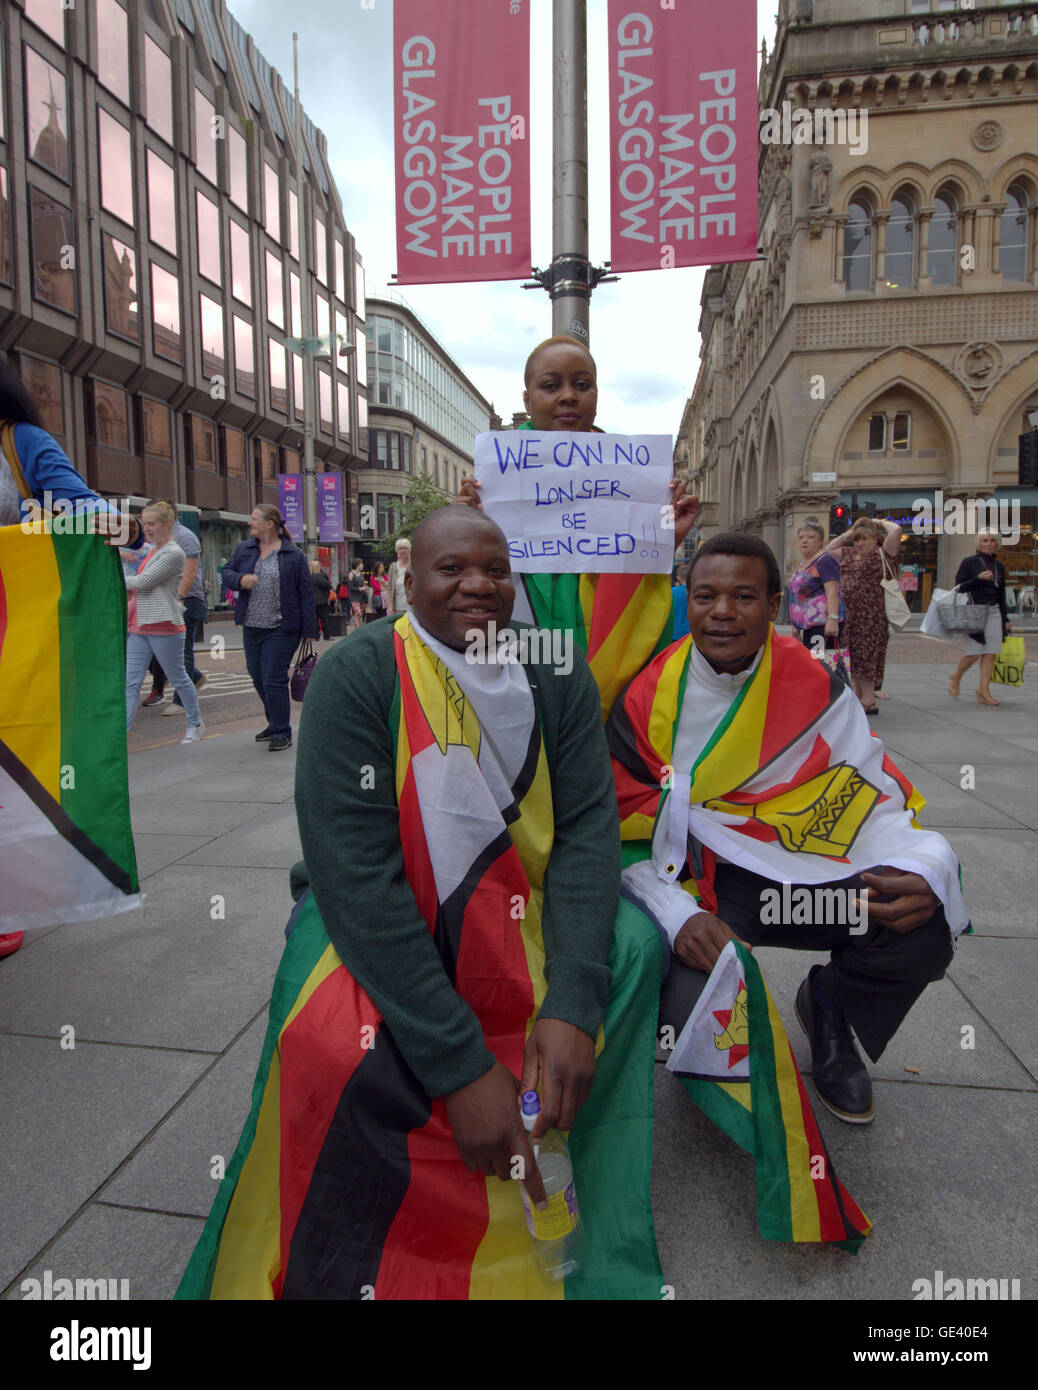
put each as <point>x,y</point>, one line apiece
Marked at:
<point>275,609</point>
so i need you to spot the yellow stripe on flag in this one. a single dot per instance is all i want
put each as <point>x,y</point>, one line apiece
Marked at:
<point>631,639</point>
<point>732,761</point>
<point>665,699</point>
<point>803,1203</point>
<point>30,665</point>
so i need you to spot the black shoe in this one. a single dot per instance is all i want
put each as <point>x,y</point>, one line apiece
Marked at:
<point>263,735</point>
<point>838,1073</point>
<point>276,744</point>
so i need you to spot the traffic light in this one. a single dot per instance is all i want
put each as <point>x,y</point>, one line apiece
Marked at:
<point>839,520</point>
<point>1028,459</point>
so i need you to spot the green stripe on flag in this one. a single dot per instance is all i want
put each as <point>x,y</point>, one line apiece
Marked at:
<point>92,655</point>
<point>774,1213</point>
<point>718,1105</point>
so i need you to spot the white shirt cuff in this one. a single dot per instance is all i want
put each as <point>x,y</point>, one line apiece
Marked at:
<point>668,905</point>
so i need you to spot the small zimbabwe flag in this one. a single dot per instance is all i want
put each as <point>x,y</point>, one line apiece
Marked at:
<point>734,1059</point>
<point>66,847</point>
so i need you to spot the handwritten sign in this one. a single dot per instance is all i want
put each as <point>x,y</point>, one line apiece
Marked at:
<point>580,503</point>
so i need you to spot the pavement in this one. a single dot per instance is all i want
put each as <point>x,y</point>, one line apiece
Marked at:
<point>128,1046</point>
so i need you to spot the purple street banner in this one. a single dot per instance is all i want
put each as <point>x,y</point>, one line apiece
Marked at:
<point>461,78</point>
<point>329,508</point>
<point>683,133</point>
<point>290,504</point>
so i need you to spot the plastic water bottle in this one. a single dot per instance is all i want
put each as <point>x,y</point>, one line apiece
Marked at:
<point>556,1231</point>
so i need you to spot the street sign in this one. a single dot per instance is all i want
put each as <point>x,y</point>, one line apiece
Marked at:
<point>823,477</point>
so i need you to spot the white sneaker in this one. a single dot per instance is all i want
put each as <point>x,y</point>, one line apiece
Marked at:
<point>171,709</point>
<point>194,733</point>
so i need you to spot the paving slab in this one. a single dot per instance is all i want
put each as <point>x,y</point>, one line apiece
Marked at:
<point>954,745</point>
<point>172,977</point>
<point>244,785</point>
<point>1012,790</point>
<point>172,1172</point>
<point>155,852</point>
<point>938,1174</point>
<point>152,815</point>
<point>947,805</point>
<point>269,840</point>
<point>70,1117</point>
<point>1000,878</point>
<point>998,976</point>
<point>147,1249</point>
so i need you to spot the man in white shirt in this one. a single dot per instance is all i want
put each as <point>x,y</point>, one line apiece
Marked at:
<point>757,805</point>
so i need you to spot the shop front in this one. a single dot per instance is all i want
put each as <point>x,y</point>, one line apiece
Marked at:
<point>1021,559</point>
<point>221,532</point>
<point>918,560</point>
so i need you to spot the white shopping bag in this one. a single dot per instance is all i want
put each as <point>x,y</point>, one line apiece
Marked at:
<point>932,623</point>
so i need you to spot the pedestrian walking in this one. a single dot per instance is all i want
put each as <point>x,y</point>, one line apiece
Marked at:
<point>322,587</point>
<point>379,586</point>
<point>358,591</point>
<point>861,580</point>
<point>192,596</point>
<point>155,624</point>
<point>274,607</point>
<point>396,598</point>
<point>983,578</point>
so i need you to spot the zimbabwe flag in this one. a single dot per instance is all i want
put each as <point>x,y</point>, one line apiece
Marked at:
<point>347,1182</point>
<point>734,1059</point>
<point>65,840</point>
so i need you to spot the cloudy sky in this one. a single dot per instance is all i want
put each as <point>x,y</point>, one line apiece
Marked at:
<point>644,330</point>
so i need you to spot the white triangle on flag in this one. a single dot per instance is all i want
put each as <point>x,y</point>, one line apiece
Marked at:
<point>704,1046</point>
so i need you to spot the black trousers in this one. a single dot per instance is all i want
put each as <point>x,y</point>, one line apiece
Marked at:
<point>874,977</point>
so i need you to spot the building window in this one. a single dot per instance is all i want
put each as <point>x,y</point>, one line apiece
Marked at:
<point>207,226</point>
<point>297,386</point>
<point>324,318</point>
<point>900,254</point>
<point>272,200</point>
<point>275,291</point>
<point>214,350</point>
<point>943,257</point>
<point>203,444</point>
<point>236,448</point>
<point>113,49</point>
<point>122,311</point>
<point>342,330</point>
<point>162,206</point>
<point>158,85</point>
<point>362,412</point>
<point>238,168</point>
<point>244,358</point>
<point>295,305</point>
<point>324,401</point>
<point>278,377</point>
<point>293,223</point>
<point>901,438</point>
<point>49,16</point>
<point>1012,253</point>
<point>43,382</point>
<point>381,448</point>
<point>111,421</point>
<point>5,231</point>
<point>46,114</point>
<point>291,461</point>
<point>359,289</point>
<point>321,249</point>
<point>343,394</point>
<point>116,167</point>
<point>165,314</point>
<point>53,251</point>
<point>268,461</point>
<point>857,246</point>
<point>877,434</point>
<point>205,142</point>
<point>340,270</point>
<point>241,263</point>
<point>158,437</point>
<point>388,506</point>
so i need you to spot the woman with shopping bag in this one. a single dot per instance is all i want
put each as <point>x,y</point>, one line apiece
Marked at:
<point>983,579</point>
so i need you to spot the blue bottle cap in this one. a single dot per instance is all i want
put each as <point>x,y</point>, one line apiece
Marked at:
<point>531,1103</point>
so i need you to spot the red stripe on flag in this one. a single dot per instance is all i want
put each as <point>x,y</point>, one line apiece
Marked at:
<point>832,1225</point>
<point>613,593</point>
<point>320,1050</point>
<point>799,693</point>
<point>438,1227</point>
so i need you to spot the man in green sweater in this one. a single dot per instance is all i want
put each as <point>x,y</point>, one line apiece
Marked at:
<point>463,941</point>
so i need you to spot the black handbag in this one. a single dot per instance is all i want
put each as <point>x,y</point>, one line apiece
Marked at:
<point>306,660</point>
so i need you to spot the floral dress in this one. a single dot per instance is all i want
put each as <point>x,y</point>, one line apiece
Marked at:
<point>866,631</point>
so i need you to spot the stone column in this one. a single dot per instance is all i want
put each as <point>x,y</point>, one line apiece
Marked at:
<point>924,246</point>
<point>880,223</point>
<point>955,548</point>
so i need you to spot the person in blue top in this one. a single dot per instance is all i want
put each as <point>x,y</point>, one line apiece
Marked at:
<point>35,469</point>
<point>679,600</point>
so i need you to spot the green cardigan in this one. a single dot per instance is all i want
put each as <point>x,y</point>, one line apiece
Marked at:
<point>349,826</point>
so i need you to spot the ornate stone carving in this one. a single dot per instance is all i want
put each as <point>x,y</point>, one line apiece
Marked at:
<point>988,135</point>
<point>820,168</point>
<point>979,365</point>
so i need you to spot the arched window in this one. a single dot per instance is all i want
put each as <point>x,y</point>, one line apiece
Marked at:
<point>944,241</point>
<point>1012,255</point>
<point>857,246</point>
<point>900,257</point>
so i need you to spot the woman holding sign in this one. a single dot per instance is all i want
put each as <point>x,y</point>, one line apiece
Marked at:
<point>619,620</point>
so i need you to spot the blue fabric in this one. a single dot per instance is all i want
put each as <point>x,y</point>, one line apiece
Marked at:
<point>268,651</point>
<point>47,468</point>
<point>298,613</point>
<point>679,600</point>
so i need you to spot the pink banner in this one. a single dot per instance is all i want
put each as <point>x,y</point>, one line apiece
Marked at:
<point>683,133</point>
<point>462,110</point>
